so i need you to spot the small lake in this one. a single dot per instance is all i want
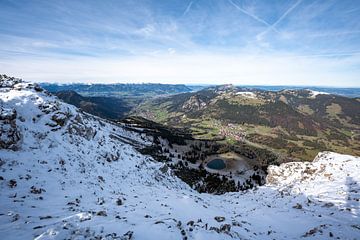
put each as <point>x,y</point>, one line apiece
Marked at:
<point>216,164</point>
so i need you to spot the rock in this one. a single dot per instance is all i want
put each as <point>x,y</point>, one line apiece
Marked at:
<point>194,103</point>
<point>310,232</point>
<point>225,228</point>
<point>127,236</point>
<point>38,88</point>
<point>298,206</point>
<point>15,217</point>
<point>164,169</point>
<point>60,118</point>
<point>119,202</point>
<point>10,135</point>
<point>219,219</point>
<point>78,127</point>
<point>214,229</point>
<point>190,223</point>
<point>37,227</point>
<point>100,201</point>
<point>101,178</point>
<point>101,213</point>
<point>12,183</point>
<point>329,204</point>
<point>35,190</point>
<point>8,82</point>
<point>236,223</point>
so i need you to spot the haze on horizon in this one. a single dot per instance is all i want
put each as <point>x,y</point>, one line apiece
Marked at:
<point>302,42</point>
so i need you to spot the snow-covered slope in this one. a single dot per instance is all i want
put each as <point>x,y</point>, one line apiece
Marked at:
<point>65,174</point>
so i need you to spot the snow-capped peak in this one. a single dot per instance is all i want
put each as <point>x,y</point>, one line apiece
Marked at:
<point>314,94</point>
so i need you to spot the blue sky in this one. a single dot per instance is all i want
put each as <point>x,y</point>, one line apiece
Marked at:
<point>297,42</point>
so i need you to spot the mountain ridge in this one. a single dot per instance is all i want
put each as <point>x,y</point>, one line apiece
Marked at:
<point>71,175</point>
<point>293,123</point>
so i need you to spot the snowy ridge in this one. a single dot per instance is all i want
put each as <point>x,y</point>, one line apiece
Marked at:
<point>65,174</point>
<point>313,93</point>
<point>331,177</point>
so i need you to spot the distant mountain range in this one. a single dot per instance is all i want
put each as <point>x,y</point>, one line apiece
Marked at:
<point>119,90</point>
<point>148,89</point>
<point>348,92</point>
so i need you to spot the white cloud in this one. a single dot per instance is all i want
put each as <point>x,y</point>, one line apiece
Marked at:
<point>171,51</point>
<point>205,68</point>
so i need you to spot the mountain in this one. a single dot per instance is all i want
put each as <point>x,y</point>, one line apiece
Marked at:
<point>118,89</point>
<point>295,124</point>
<point>66,174</point>
<point>112,101</point>
<point>346,92</point>
<point>105,107</point>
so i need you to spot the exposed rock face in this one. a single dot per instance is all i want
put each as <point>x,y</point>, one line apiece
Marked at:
<point>324,168</point>
<point>8,129</point>
<point>194,104</point>
<point>6,81</point>
<point>296,171</point>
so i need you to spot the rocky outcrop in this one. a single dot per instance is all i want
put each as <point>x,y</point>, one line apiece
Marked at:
<point>6,81</point>
<point>194,104</point>
<point>9,132</point>
<point>324,167</point>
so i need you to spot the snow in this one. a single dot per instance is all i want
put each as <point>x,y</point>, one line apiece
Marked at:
<point>78,177</point>
<point>247,94</point>
<point>313,93</point>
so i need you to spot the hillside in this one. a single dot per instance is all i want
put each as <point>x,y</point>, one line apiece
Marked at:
<point>106,107</point>
<point>66,174</point>
<point>296,124</point>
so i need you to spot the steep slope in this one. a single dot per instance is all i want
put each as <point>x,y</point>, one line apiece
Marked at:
<point>65,174</point>
<point>296,124</point>
<point>105,107</point>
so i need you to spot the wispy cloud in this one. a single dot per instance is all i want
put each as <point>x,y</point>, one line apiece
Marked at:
<point>201,68</point>
<point>183,41</point>
<point>334,33</point>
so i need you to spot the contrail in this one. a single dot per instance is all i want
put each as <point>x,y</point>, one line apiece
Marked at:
<point>250,14</point>
<point>188,8</point>
<point>272,26</point>
<point>286,13</point>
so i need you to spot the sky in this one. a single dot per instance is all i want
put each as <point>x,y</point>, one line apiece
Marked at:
<point>278,42</point>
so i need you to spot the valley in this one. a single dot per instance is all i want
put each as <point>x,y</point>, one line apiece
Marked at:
<point>179,120</point>
<point>246,129</point>
<point>295,124</point>
<point>67,174</point>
